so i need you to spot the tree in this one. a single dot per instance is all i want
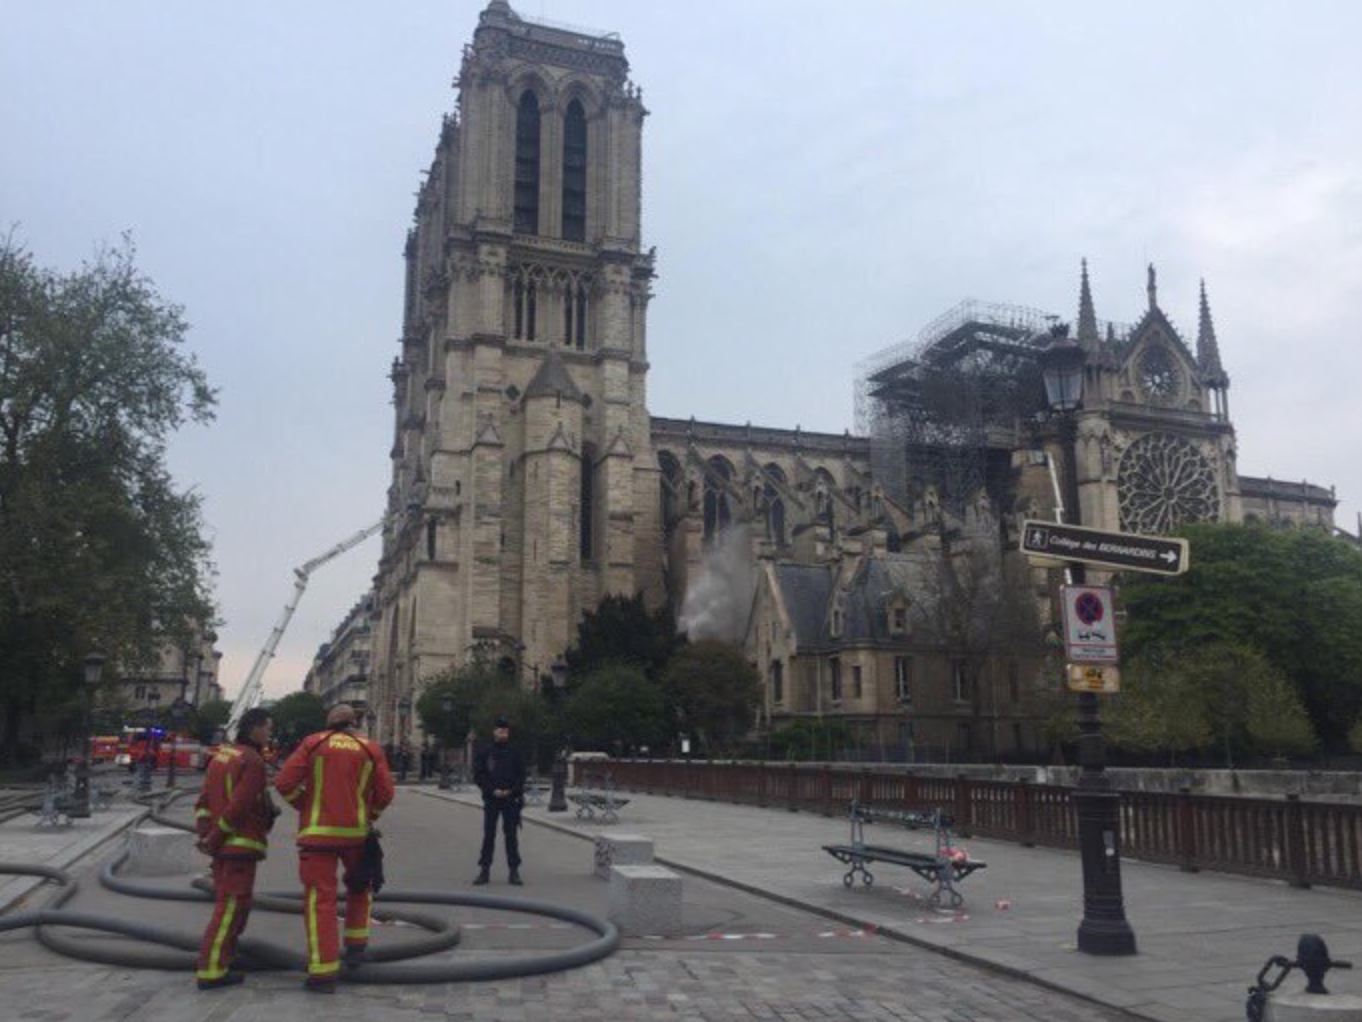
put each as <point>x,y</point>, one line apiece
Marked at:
<point>1293,595</point>
<point>616,709</point>
<point>1275,720</point>
<point>712,691</point>
<point>210,718</point>
<point>531,725</point>
<point>807,739</point>
<point>98,548</point>
<point>623,630</point>
<point>465,688</point>
<point>296,716</point>
<point>1157,712</point>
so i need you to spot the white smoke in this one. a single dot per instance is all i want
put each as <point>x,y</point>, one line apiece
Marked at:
<point>719,599</point>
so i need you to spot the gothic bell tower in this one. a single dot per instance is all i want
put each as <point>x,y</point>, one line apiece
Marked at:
<point>524,482</point>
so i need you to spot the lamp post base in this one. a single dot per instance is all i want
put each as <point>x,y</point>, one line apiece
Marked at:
<point>558,794</point>
<point>1104,929</point>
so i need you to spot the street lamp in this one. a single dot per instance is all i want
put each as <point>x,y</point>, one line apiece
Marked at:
<point>404,723</point>
<point>1104,929</point>
<point>447,709</point>
<point>558,674</point>
<point>92,673</point>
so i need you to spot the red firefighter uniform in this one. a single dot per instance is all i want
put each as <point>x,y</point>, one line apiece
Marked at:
<point>233,816</point>
<point>339,782</point>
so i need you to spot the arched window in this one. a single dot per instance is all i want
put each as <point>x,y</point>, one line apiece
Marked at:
<point>431,536</point>
<point>527,164</point>
<point>518,304</point>
<point>586,537</point>
<point>581,315</point>
<point>531,309</point>
<point>717,511</point>
<point>574,173</point>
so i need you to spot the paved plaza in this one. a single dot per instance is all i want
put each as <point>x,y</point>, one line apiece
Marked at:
<point>1202,937</point>
<point>740,956</point>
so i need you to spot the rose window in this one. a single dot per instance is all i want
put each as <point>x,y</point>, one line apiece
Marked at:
<point>1164,482</point>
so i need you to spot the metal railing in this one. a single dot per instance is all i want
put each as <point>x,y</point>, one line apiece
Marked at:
<point>1289,839</point>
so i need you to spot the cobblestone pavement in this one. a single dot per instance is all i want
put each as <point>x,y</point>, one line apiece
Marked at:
<point>741,957</point>
<point>1202,937</point>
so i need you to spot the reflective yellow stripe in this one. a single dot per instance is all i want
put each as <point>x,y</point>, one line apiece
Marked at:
<point>200,814</point>
<point>316,792</point>
<point>357,934</point>
<point>215,969</point>
<point>291,796</point>
<point>314,950</point>
<point>246,842</point>
<point>322,970</point>
<point>334,832</point>
<point>361,806</point>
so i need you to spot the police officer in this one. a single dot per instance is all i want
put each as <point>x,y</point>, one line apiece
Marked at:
<point>499,772</point>
<point>232,817</point>
<point>339,782</point>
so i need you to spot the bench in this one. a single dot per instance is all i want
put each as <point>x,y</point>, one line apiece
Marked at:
<point>535,790</point>
<point>605,804</point>
<point>943,868</point>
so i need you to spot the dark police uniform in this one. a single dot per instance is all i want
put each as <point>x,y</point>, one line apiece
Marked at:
<point>500,767</point>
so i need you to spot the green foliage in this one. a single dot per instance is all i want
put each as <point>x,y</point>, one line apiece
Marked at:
<point>1158,712</point>
<point>98,548</point>
<point>1275,720</point>
<point>713,692</point>
<point>616,709</point>
<point>532,726</point>
<point>622,630</point>
<point>1223,697</point>
<point>296,716</point>
<point>211,716</point>
<point>1295,596</point>
<point>806,739</point>
<point>465,689</point>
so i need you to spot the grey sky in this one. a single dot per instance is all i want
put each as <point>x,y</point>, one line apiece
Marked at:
<point>820,180</point>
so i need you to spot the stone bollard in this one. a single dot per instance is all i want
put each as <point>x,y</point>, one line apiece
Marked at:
<point>1303,1007</point>
<point>161,851</point>
<point>621,850</point>
<point>645,901</point>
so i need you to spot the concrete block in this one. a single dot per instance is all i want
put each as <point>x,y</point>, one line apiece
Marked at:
<point>162,851</point>
<point>1303,1007</point>
<point>645,901</point>
<point>621,850</point>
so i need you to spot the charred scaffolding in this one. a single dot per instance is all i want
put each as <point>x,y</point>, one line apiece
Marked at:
<point>945,410</point>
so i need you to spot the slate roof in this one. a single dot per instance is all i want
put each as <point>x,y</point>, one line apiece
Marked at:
<point>808,591</point>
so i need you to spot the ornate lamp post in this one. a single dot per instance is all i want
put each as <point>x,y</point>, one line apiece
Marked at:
<point>1104,929</point>
<point>558,673</point>
<point>92,670</point>
<point>404,724</point>
<point>447,708</point>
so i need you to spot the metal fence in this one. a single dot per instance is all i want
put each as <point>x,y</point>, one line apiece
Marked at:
<point>1289,839</point>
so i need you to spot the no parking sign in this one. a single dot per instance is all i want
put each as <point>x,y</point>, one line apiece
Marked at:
<point>1089,625</point>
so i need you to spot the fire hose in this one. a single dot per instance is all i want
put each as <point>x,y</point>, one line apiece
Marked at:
<point>385,964</point>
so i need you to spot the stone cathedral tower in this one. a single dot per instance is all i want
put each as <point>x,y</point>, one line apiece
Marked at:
<point>524,485</point>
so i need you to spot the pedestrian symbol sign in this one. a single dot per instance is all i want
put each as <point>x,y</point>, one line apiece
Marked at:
<point>1089,625</point>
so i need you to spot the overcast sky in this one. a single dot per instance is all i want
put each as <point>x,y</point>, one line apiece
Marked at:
<point>820,180</point>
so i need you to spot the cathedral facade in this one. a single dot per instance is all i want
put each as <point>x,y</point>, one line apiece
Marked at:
<point>529,479</point>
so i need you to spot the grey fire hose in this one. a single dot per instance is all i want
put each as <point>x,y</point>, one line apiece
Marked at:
<point>384,964</point>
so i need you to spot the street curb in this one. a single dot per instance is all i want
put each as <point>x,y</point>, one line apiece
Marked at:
<point>893,933</point>
<point>66,860</point>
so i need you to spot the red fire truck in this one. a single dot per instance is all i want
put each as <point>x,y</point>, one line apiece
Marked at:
<point>161,744</point>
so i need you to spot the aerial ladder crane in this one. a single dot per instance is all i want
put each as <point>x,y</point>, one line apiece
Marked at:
<point>252,690</point>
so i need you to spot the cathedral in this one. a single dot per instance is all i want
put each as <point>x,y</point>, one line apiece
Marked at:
<point>529,479</point>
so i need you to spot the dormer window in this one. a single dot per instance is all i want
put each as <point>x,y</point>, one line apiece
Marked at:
<point>837,621</point>
<point>898,620</point>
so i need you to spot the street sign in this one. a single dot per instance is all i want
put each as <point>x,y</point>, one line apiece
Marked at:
<point>1104,678</point>
<point>1118,550</point>
<point>1089,624</point>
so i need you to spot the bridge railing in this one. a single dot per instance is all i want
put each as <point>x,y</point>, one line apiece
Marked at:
<point>1290,839</point>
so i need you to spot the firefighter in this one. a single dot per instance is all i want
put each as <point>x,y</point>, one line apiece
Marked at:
<point>499,771</point>
<point>339,782</point>
<point>232,817</point>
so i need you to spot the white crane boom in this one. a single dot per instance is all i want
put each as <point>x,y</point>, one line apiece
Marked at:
<point>252,689</point>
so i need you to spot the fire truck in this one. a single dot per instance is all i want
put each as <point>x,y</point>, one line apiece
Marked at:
<point>105,748</point>
<point>189,754</point>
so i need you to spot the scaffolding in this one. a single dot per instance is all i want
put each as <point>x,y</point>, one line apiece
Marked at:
<point>944,410</point>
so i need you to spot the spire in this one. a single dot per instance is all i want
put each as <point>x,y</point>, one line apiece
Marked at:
<point>1087,318</point>
<point>1153,288</point>
<point>1207,350</point>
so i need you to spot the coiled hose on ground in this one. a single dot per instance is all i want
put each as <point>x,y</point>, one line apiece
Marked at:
<point>390,964</point>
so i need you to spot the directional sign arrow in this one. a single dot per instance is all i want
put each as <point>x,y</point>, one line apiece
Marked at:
<point>1117,550</point>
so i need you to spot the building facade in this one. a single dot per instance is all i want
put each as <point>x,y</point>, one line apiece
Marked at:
<point>529,479</point>
<point>340,670</point>
<point>187,672</point>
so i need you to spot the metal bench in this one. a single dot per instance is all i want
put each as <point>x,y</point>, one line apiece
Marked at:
<point>943,869</point>
<point>57,805</point>
<point>536,790</point>
<point>605,804</point>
